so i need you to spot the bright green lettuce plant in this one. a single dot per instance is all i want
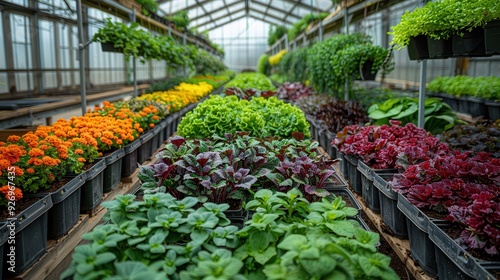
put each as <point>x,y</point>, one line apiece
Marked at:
<point>260,117</point>
<point>257,81</point>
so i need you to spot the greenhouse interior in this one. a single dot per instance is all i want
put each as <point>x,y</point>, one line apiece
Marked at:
<point>225,139</point>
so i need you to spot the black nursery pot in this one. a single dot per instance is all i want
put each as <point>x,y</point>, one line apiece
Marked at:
<point>492,37</point>
<point>418,48</point>
<point>113,171</point>
<point>470,44</point>
<point>129,161</point>
<point>92,191</point>
<point>442,48</point>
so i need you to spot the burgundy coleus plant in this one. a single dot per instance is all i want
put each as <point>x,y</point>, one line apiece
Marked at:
<point>389,146</point>
<point>465,186</point>
<point>309,176</point>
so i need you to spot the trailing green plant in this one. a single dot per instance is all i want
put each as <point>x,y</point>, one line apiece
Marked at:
<point>275,33</point>
<point>438,117</point>
<point>149,5</point>
<point>135,42</point>
<point>257,81</point>
<point>302,24</point>
<point>483,87</point>
<point>351,59</point>
<point>205,63</point>
<point>331,62</point>
<point>180,19</point>
<point>263,65</point>
<point>442,19</point>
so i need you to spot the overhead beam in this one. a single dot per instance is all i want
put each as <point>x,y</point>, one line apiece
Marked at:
<point>290,11</point>
<point>275,9</point>
<point>195,5</point>
<point>227,6</point>
<point>263,19</point>
<point>303,5</point>
<point>217,18</point>
<point>224,23</point>
<point>271,16</point>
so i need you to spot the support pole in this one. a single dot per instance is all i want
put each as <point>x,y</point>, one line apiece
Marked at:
<point>421,93</point>
<point>81,56</point>
<point>134,62</point>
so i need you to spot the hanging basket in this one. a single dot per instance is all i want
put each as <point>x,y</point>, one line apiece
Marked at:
<point>366,72</point>
<point>110,47</point>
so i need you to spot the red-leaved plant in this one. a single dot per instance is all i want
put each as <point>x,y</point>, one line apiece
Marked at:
<point>463,185</point>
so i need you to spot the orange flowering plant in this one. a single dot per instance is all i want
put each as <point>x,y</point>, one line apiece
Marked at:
<point>35,162</point>
<point>9,193</point>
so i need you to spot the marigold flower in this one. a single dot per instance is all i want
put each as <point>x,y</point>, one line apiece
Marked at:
<point>35,161</point>
<point>48,161</point>
<point>13,138</point>
<point>36,152</point>
<point>18,171</point>
<point>4,164</point>
<point>151,125</point>
<point>18,193</point>
<point>30,170</point>
<point>78,151</point>
<point>80,159</point>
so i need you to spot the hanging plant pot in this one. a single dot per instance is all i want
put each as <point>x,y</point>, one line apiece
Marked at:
<point>492,37</point>
<point>65,210</point>
<point>418,48</point>
<point>30,228</point>
<point>439,49</point>
<point>110,47</point>
<point>129,162</point>
<point>112,174</point>
<point>493,109</point>
<point>92,190</point>
<point>366,72</point>
<point>388,200</point>
<point>470,44</point>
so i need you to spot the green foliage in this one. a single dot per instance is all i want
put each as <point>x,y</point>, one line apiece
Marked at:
<point>141,239</point>
<point>340,57</point>
<point>132,41</point>
<point>205,63</point>
<point>441,19</point>
<point>438,116</point>
<point>302,24</point>
<point>259,116</point>
<point>275,33</point>
<point>484,87</point>
<point>256,81</point>
<point>160,237</point>
<point>263,65</point>
<point>180,19</point>
<point>149,5</point>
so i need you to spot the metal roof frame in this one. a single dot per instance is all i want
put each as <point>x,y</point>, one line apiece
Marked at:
<point>288,15</point>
